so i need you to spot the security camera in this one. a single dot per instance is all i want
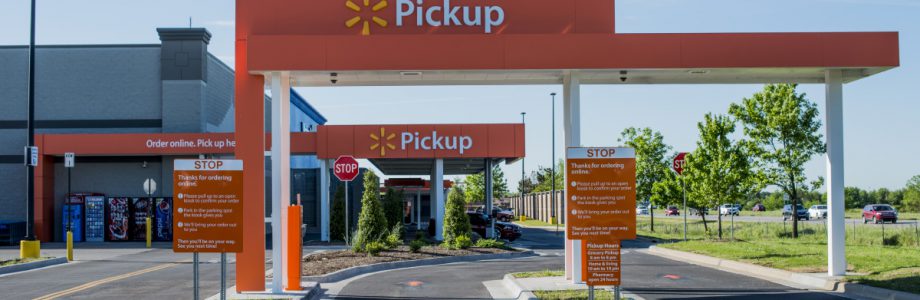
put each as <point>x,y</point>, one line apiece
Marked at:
<point>334,78</point>
<point>623,77</point>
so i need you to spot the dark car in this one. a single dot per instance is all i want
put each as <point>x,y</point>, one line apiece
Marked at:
<point>801,212</point>
<point>879,213</point>
<point>480,222</point>
<point>759,207</point>
<point>672,211</point>
<point>504,215</point>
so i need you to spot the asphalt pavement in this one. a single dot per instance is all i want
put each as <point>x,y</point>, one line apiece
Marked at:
<point>646,275</point>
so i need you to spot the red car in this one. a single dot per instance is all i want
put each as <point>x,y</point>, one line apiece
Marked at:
<point>672,211</point>
<point>879,213</point>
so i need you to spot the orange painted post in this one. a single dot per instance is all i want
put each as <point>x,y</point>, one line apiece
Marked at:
<point>295,248</point>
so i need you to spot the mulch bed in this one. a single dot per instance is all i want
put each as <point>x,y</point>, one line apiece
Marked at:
<point>331,261</point>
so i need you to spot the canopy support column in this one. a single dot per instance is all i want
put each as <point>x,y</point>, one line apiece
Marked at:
<point>836,230</point>
<point>488,198</point>
<point>324,206</point>
<point>281,170</point>
<point>437,197</point>
<point>572,122</point>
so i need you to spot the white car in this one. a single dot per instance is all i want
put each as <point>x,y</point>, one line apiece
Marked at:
<point>642,210</point>
<point>729,209</point>
<point>817,211</point>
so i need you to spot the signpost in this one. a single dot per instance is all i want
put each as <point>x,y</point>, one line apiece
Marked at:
<point>678,166</point>
<point>601,208</point>
<point>346,169</point>
<point>69,164</point>
<point>208,210</point>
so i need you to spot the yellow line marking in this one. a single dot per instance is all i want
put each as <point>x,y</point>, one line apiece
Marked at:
<point>99,282</point>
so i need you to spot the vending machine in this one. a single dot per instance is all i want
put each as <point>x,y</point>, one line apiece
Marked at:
<point>140,210</point>
<point>163,217</point>
<point>116,211</point>
<point>94,210</point>
<point>73,216</point>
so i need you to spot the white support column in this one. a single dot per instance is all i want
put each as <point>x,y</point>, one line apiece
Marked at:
<point>836,225</point>
<point>437,197</point>
<point>488,199</point>
<point>571,93</point>
<point>281,169</point>
<point>324,206</point>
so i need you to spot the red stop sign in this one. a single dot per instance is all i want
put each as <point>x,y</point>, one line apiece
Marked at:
<point>678,164</point>
<point>345,168</point>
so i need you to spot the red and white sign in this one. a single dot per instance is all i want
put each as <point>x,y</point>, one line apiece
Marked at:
<point>346,168</point>
<point>601,263</point>
<point>601,194</point>
<point>208,208</point>
<point>678,164</point>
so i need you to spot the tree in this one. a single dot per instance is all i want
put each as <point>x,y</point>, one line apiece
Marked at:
<point>651,165</point>
<point>393,208</point>
<point>337,220</point>
<point>668,191</point>
<point>782,127</point>
<point>456,222</point>
<point>476,188</point>
<point>545,178</point>
<point>911,200</point>
<point>372,225</point>
<point>720,169</point>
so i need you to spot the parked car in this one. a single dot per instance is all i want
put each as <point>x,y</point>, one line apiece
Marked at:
<point>504,215</point>
<point>480,222</point>
<point>817,211</point>
<point>759,207</point>
<point>672,211</point>
<point>642,210</point>
<point>879,213</point>
<point>801,212</point>
<point>730,209</point>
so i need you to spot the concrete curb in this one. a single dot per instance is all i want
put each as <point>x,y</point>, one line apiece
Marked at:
<point>310,291</point>
<point>360,270</point>
<point>511,284</point>
<point>783,277</point>
<point>32,265</point>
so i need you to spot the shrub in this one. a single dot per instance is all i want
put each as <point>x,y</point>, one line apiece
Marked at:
<point>358,241</point>
<point>337,221</point>
<point>393,207</point>
<point>394,238</point>
<point>374,248</point>
<point>462,242</point>
<point>456,222</point>
<point>487,243</point>
<point>371,223</point>
<point>891,241</point>
<point>416,245</point>
<point>419,235</point>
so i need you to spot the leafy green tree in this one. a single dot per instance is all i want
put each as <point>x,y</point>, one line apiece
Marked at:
<point>456,222</point>
<point>668,191</point>
<point>337,219</point>
<point>393,208</point>
<point>545,178</point>
<point>476,188</point>
<point>372,224</point>
<point>782,126</point>
<point>651,165</point>
<point>911,200</point>
<point>720,168</point>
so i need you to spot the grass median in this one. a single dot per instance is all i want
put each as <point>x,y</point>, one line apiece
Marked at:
<point>883,256</point>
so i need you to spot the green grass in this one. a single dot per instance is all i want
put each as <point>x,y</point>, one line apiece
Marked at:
<point>536,223</point>
<point>895,265</point>
<point>769,213</point>
<point>572,294</point>
<point>4,263</point>
<point>544,273</point>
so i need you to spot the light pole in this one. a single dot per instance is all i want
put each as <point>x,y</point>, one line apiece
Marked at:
<point>523,121</point>
<point>30,131</point>
<point>553,161</point>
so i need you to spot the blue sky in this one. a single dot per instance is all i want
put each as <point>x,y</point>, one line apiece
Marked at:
<point>881,112</point>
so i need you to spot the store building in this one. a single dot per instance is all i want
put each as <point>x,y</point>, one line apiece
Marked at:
<point>176,86</point>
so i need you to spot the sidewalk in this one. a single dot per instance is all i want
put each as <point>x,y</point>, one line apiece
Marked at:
<point>87,251</point>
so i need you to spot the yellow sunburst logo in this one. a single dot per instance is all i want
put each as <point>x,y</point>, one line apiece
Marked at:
<point>383,141</point>
<point>366,30</point>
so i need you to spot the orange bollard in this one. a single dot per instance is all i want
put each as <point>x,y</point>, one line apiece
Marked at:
<point>295,249</point>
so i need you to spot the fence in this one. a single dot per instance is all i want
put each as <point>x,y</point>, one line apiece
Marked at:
<point>538,206</point>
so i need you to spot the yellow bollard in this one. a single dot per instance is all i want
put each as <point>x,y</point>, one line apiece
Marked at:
<point>552,220</point>
<point>69,245</point>
<point>149,233</point>
<point>523,218</point>
<point>29,249</point>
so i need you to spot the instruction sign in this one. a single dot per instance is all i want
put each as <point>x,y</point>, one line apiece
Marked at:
<point>601,194</point>
<point>601,263</point>
<point>208,210</point>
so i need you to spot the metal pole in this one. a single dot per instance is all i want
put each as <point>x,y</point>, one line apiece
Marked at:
<point>347,238</point>
<point>523,121</point>
<point>733,226</point>
<point>69,218</point>
<point>195,272</point>
<point>590,292</point>
<point>553,162</point>
<point>683,187</point>
<point>30,131</point>
<point>223,276</point>
<point>616,292</point>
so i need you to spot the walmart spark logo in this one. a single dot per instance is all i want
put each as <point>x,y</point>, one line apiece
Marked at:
<point>366,30</point>
<point>383,141</point>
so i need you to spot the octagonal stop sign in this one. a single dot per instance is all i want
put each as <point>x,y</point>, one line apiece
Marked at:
<point>345,168</point>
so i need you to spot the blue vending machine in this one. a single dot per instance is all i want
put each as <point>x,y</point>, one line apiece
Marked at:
<point>95,218</point>
<point>73,217</point>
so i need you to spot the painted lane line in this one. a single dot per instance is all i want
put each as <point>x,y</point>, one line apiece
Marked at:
<point>99,282</point>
